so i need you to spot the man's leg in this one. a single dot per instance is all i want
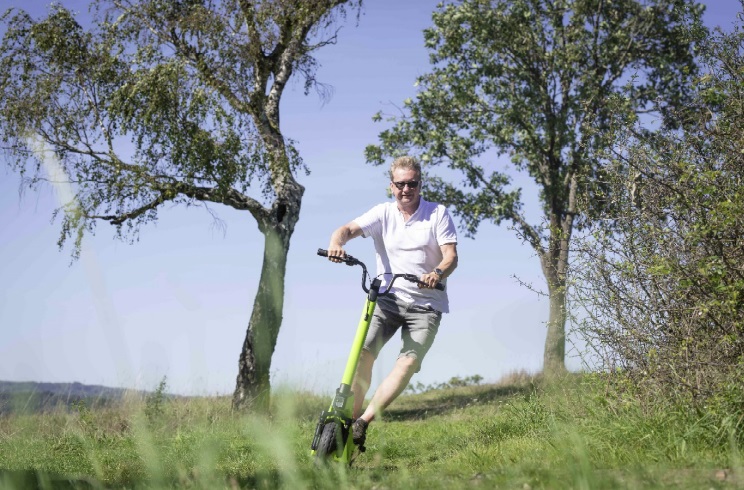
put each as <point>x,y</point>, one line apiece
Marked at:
<point>392,386</point>
<point>418,337</point>
<point>362,379</point>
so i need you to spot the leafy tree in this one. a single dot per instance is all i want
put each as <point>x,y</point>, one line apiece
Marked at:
<point>168,101</point>
<point>663,287</point>
<point>539,80</point>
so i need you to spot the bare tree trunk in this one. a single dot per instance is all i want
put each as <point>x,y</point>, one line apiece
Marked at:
<point>555,342</point>
<point>555,268</point>
<point>554,263</point>
<point>253,388</point>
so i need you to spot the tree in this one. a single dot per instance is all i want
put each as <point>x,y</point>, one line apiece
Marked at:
<point>662,289</point>
<point>165,101</point>
<point>539,80</point>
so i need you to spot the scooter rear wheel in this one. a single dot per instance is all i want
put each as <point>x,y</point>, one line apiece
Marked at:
<point>330,443</point>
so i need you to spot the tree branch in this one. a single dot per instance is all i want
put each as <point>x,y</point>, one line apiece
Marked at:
<point>117,219</point>
<point>169,192</point>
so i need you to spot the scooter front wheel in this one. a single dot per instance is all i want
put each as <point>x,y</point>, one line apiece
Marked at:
<point>331,443</point>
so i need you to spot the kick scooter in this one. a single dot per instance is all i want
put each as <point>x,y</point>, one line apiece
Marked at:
<point>332,440</point>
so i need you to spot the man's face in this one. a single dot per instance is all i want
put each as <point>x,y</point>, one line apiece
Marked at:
<point>406,194</point>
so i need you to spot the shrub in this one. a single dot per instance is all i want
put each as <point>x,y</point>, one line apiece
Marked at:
<point>660,276</point>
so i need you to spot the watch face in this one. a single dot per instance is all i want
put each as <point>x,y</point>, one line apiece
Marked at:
<point>439,272</point>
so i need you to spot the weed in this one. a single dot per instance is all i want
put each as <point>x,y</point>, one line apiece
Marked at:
<point>155,402</point>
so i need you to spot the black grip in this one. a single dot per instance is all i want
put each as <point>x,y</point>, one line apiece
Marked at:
<point>414,278</point>
<point>346,259</point>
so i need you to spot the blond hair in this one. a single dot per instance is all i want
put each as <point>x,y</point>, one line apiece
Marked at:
<point>406,163</point>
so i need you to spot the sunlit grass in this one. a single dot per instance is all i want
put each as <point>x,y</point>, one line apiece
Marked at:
<point>516,434</point>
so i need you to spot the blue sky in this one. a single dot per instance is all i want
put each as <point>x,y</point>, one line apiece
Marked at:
<point>177,302</point>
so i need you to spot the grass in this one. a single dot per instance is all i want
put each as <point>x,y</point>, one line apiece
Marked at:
<point>515,434</point>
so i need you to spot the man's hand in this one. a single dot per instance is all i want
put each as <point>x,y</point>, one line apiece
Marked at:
<point>336,253</point>
<point>430,280</point>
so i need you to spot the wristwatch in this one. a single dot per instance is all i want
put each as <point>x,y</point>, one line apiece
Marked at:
<point>439,272</point>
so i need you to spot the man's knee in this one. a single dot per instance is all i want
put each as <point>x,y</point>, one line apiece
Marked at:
<point>409,364</point>
<point>366,356</point>
<point>366,360</point>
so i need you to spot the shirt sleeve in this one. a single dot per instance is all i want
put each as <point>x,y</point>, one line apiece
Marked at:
<point>446,231</point>
<point>371,221</point>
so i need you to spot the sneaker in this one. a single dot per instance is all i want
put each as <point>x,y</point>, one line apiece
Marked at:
<point>359,431</point>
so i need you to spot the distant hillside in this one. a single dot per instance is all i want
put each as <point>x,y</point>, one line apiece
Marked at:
<point>32,397</point>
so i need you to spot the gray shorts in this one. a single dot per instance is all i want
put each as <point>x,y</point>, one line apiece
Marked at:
<point>418,324</point>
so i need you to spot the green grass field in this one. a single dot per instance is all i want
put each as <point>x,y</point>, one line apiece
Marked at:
<point>514,434</point>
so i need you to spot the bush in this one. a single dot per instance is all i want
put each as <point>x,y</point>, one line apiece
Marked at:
<point>660,276</point>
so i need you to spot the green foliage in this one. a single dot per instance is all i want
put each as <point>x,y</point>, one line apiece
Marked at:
<point>662,283</point>
<point>153,103</point>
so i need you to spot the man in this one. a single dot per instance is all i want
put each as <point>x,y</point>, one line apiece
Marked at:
<point>411,236</point>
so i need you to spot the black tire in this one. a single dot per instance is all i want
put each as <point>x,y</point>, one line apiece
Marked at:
<point>330,443</point>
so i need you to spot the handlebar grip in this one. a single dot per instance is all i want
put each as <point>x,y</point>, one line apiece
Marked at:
<point>414,278</point>
<point>348,259</point>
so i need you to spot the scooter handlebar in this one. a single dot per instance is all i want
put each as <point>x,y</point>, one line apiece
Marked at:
<point>352,261</point>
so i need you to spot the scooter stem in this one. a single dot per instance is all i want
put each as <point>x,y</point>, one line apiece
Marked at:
<point>361,333</point>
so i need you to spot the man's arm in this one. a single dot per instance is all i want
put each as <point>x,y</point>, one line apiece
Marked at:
<point>340,237</point>
<point>447,265</point>
<point>449,259</point>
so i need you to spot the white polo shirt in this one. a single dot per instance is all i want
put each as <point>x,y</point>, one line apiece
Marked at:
<point>410,247</point>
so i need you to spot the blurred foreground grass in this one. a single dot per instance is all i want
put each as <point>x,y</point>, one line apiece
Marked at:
<point>513,434</point>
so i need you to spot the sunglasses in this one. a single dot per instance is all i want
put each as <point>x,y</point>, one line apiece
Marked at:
<point>412,184</point>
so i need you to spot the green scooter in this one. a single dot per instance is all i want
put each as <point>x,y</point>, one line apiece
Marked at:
<point>332,440</point>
